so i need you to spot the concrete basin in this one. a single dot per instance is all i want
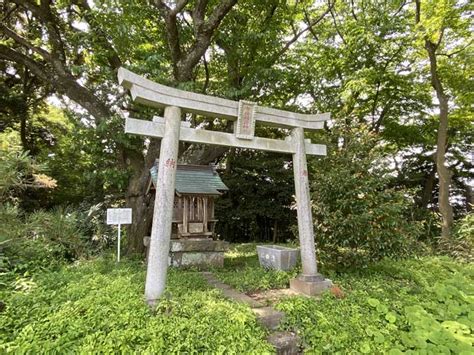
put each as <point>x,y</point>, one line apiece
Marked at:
<point>277,257</point>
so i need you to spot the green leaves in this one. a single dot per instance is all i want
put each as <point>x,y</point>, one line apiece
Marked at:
<point>97,306</point>
<point>382,314</point>
<point>359,219</point>
<point>258,203</point>
<point>391,317</point>
<point>373,302</point>
<point>243,271</point>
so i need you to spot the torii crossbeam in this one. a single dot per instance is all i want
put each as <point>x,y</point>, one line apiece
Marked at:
<point>171,129</point>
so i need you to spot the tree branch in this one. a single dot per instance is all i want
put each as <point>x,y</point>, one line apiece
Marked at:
<point>51,23</point>
<point>112,55</point>
<point>198,14</point>
<point>203,39</point>
<point>449,55</point>
<point>172,33</point>
<point>218,14</point>
<point>352,11</point>
<point>11,55</point>
<point>206,70</point>
<point>48,19</point>
<point>180,4</point>
<point>64,83</point>
<point>8,13</point>
<point>311,24</point>
<point>23,42</point>
<point>337,27</point>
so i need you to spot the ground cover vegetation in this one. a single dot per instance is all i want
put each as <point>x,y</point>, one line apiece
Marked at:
<point>97,306</point>
<point>421,305</point>
<point>397,78</point>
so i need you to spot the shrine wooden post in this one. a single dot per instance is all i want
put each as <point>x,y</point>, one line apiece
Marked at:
<point>172,130</point>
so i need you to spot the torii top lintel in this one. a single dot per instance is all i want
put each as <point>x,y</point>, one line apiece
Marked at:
<point>156,95</point>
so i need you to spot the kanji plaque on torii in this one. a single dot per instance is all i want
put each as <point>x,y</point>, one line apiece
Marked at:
<point>171,129</point>
<point>245,128</point>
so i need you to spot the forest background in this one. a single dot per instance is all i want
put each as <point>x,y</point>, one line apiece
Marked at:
<point>396,76</point>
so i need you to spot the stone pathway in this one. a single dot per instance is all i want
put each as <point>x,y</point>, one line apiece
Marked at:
<point>273,296</point>
<point>285,343</point>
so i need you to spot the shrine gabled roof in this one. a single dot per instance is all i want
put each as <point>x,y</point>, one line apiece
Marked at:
<point>195,179</point>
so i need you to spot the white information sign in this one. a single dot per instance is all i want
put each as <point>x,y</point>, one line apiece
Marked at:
<point>119,216</point>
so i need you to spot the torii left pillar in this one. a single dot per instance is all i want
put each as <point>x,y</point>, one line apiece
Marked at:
<point>164,199</point>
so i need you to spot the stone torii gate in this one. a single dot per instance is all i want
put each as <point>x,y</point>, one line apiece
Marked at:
<point>171,129</point>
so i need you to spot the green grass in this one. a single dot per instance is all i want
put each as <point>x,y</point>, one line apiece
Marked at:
<point>97,306</point>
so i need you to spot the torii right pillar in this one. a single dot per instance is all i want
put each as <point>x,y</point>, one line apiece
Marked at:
<point>310,282</point>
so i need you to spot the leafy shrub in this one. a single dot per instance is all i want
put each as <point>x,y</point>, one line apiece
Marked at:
<point>100,236</point>
<point>358,217</point>
<point>98,307</point>
<point>11,227</point>
<point>59,226</point>
<point>41,239</point>
<point>19,171</point>
<point>465,227</point>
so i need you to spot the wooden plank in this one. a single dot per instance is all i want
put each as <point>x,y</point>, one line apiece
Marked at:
<point>196,227</point>
<point>204,216</point>
<point>211,209</point>
<point>192,135</point>
<point>156,95</point>
<point>185,214</point>
<point>193,235</point>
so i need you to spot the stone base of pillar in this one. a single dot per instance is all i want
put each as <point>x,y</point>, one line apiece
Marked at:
<point>311,285</point>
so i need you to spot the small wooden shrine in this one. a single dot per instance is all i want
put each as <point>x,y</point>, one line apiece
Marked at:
<point>196,188</point>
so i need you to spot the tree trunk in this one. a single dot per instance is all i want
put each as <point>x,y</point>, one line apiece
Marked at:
<point>427,192</point>
<point>275,231</point>
<point>24,113</point>
<point>142,207</point>
<point>469,197</point>
<point>444,174</point>
<point>137,199</point>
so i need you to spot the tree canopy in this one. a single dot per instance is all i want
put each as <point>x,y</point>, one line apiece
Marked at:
<point>397,72</point>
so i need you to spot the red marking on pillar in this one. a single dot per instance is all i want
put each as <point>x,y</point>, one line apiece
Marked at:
<point>170,163</point>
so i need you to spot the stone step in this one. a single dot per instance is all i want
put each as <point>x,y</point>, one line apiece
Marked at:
<point>229,292</point>
<point>241,298</point>
<point>285,343</point>
<point>268,317</point>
